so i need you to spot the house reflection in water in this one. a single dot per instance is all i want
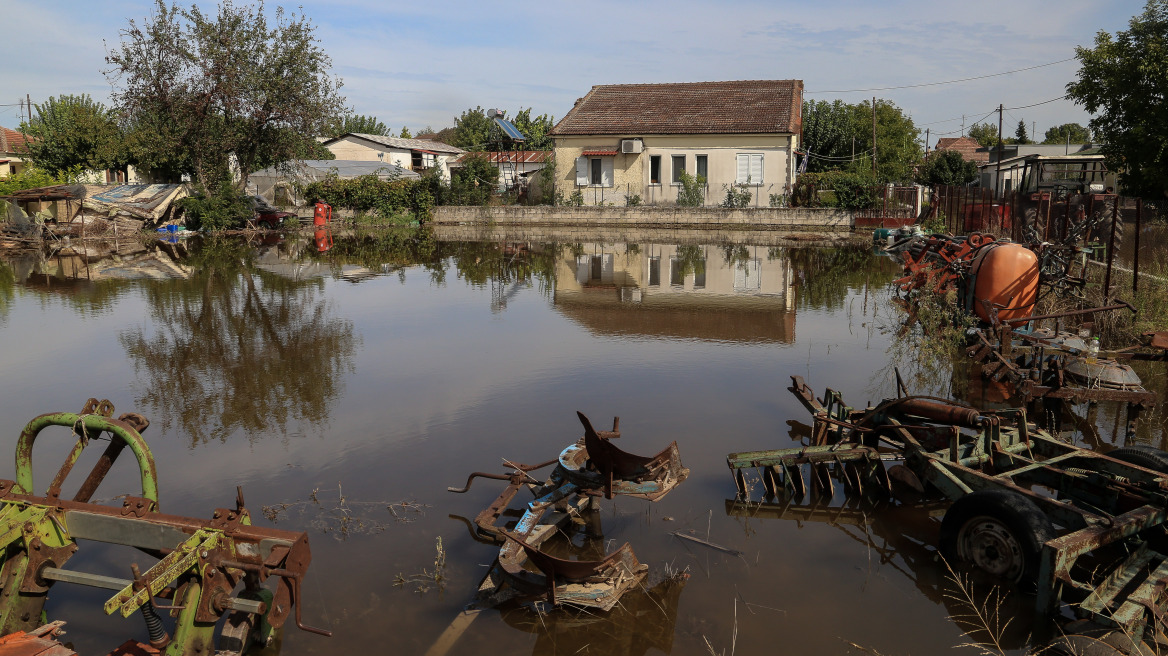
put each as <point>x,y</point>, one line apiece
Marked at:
<point>722,293</point>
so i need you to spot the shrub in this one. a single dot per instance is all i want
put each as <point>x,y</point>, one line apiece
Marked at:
<point>576,199</point>
<point>737,195</point>
<point>633,201</point>
<point>780,200</point>
<point>692,192</point>
<point>388,199</point>
<point>223,209</point>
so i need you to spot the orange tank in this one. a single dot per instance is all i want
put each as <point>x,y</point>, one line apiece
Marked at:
<point>1005,275</point>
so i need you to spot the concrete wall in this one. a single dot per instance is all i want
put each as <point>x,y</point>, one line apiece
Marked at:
<point>631,173</point>
<point>701,218</point>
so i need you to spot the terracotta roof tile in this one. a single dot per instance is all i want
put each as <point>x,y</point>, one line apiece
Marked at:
<point>12,141</point>
<point>743,106</point>
<point>967,146</point>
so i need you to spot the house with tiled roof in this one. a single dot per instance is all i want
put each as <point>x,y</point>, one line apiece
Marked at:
<point>13,152</point>
<point>624,140</point>
<point>416,155</point>
<point>970,149</point>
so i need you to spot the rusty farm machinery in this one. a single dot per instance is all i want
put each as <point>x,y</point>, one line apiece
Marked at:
<point>585,470</point>
<point>207,570</point>
<point>1085,530</point>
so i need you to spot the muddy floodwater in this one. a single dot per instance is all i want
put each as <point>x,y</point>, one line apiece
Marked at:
<point>345,390</point>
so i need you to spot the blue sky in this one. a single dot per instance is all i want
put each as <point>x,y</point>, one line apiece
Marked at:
<point>422,63</point>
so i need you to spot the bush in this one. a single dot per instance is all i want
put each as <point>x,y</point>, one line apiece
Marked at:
<point>33,177</point>
<point>388,199</point>
<point>692,192</point>
<point>223,209</point>
<point>473,182</point>
<point>737,195</point>
<point>633,201</point>
<point>576,199</point>
<point>852,191</point>
<point>779,200</point>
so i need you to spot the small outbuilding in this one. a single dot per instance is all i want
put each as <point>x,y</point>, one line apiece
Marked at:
<point>277,184</point>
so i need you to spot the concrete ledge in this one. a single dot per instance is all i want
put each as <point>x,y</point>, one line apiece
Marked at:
<point>699,218</point>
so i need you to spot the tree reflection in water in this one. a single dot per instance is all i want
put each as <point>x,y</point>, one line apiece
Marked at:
<point>237,348</point>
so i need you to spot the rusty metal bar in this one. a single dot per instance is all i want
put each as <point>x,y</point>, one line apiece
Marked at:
<point>1110,250</point>
<point>1069,313</point>
<point>1136,253</point>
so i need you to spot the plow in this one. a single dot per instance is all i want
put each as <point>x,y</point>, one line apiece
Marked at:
<point>208,572</point>
<point>1083,530</point>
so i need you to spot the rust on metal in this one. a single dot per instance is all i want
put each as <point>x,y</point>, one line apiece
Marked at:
<point>585,470</point>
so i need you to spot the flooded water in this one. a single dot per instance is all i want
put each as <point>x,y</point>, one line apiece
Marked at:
<point>346,390</point>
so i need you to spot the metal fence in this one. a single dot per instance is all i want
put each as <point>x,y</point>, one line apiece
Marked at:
<point>892,207</point>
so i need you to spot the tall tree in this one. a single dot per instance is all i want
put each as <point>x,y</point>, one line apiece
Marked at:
<point>75,132</point>
<point>898,146</point>
<point>359,124</point>
<point>472,130</point>
<point>405,133</point>
<point>535,129</point>
<point>947,167</point>
<point>207,92</point>
<point>985,134</point>
<point>1123,82</point>
<point>1020,135</point>
<point>1067,133</point>
<point>828,134</point>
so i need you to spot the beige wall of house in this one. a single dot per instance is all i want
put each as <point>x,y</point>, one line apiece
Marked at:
<point>353,148</point>
<point>13,166</point>
<point>630,173</point>
<point>664,269</point>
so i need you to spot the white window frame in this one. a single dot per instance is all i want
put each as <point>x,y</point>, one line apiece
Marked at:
<point>584,171</point>
<point>746,165</point>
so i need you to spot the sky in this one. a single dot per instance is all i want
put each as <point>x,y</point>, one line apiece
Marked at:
<point>419,64</point>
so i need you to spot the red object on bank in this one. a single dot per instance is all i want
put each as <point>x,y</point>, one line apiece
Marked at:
<point>323,214</point>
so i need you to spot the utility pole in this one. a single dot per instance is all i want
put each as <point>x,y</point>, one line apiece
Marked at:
<point>926,144</point>
<point>998,174</point>
<point>873,136</point>
<point>1034,131</point>
<point>963,125</point>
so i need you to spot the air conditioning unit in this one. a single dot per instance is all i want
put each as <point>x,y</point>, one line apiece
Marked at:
<point>632,146</point>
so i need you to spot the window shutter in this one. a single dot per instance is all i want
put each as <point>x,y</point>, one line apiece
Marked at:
<point>756,169</point>
<point>582,171</point>
<point>606,171</point>
<point>743,169</point>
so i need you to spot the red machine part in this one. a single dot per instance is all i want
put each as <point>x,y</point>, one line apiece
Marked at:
<point>1005,280</point>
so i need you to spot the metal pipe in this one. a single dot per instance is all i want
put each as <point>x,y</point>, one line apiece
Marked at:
<point>1136,253</point>
<point>1110,250</point>
<point>1070,313</point>
<point>114,583</point>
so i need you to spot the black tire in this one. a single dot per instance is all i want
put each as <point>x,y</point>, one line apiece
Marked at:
<point>997,531</point>
<point>1142,456</point>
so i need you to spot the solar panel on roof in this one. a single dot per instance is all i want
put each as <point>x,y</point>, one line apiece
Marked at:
<point>509,129</point>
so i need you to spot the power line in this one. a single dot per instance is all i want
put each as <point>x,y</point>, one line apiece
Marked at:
<point>933,84</point>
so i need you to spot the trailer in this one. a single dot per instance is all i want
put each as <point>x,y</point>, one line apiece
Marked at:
<point>1081,529</point>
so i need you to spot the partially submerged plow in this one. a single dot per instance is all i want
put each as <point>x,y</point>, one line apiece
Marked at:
<point>1082,527</point>
<point>591,467</point>
<point>209,569</point>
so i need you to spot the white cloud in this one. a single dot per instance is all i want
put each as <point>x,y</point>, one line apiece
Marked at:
<point>423,63</point>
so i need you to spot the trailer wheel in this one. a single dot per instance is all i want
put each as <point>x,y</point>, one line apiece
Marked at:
<point>998,531</point>
<point>1142,456</point>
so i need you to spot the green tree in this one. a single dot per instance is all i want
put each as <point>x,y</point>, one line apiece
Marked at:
<point>946,168</point>
<point>471,130</point>
<point>1123,82</point>
<point>75,132</point>
<point>1020,135</point>
<point>828,134</point>
<point>359,124</point>
<point>985,134</point>
<point>405,133</point>
<point>1073,132</point>
<point>898,147</point>
<point>473,182</point>
<point>205,92</point>
<point>535,129</point>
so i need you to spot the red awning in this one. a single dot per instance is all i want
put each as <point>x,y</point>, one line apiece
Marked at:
<point>599,152</point>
